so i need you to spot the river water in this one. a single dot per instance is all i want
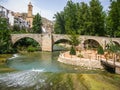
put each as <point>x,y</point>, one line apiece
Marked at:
<point>42,71</point>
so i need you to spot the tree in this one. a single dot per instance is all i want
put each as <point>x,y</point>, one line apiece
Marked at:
<point>100,51</point>
<point>97,18</point>
<point>70,17</point>
<point>16,28</point>
<point>83,19</point>
<point>37,24</point>
<point>74,40</point>
<point>59,26</point>
<point>72,51</point>
<point>5,44</point>
<point>113,19</point>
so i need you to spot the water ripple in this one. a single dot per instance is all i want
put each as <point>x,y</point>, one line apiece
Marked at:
<point>23,78</point>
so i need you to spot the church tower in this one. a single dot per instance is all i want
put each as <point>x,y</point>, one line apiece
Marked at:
<point>29,14</point>
<point>30,7</point>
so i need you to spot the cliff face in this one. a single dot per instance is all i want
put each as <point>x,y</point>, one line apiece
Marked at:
<point>47,25</point>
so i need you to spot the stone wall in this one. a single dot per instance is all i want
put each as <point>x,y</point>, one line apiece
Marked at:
<point>46,42</point>
<point>90,64</point>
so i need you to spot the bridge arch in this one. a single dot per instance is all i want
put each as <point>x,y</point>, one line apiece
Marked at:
<point>27,43</point>
<point>91,43</point>
<point>58,37</point>
<point>62,41</point>
<point>61,44</point>
<point>17,37</point>
<point>116,43</point>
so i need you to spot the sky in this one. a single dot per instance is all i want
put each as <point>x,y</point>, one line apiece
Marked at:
<point>46,8</point>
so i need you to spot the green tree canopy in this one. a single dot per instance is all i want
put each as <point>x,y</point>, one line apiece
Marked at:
<point>89,19</point>
<point>59,27</point>
<point>97,18</point>
<point>113,19</point>
<point>70,16</point>
<point>5,44</point>
<point>82,18</point>
<point>37,24</point>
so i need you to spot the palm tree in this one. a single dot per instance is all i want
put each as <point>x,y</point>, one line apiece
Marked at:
<point>74,40</point>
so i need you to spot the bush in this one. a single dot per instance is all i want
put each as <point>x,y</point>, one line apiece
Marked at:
<point>80,55</point>
<point>31,49</point>
<point>72,51</point>
<point>100,50</point>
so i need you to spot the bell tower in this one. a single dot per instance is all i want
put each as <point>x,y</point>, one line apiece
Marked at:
<point>29,14</point>
<point>30,7</point>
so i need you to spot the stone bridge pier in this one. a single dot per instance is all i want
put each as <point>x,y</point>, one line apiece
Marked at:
<point>47,42</point>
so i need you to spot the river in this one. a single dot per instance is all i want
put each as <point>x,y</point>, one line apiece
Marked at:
<point>42,71</point>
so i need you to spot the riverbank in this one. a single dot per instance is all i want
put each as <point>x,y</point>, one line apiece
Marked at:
<point>3,57</point>
<point>89,62</point>
<point>3,66</point>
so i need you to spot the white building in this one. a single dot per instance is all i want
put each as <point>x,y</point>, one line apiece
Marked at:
<point>13,18</point>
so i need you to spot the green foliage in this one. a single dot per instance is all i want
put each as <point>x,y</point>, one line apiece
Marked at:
<point>5,42</point>
<point>80,55</point>
<point>72,51</point>
<point>37,24</point>
<point>113,19</point>
<point>74,39</point>
<point>100,50</point>
<point>16,28</point>
<point>113,48</point>
<point>26,42</point>
<point>70,14</point>
<point>97,18</point>
<point>31,49</point>
<point>89,19</point>
<point>3,24</point>
<point>81,18</point>
<point>59,27</point>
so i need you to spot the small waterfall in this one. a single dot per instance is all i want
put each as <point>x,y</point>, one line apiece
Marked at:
<point>14,56</point>
<point>43,30</point>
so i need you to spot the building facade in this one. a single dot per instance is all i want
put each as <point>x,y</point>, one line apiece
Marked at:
<point>14,18</point>
<point>29,17</point>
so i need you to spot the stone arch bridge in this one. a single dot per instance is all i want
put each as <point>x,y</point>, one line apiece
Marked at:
<point>47,41</point>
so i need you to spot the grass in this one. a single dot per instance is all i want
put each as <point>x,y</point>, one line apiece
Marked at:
<point>71,81</point>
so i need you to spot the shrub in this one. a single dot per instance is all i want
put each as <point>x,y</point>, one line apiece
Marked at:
<point>80,55</point>
<point>31,49</point>
<point>100,50</point>
<point>72,51</point>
